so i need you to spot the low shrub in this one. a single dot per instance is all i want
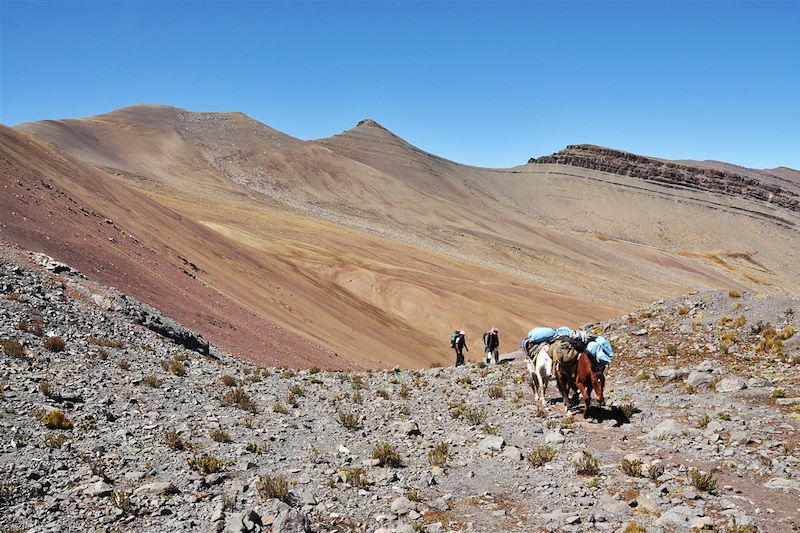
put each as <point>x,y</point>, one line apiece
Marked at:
<point>439,455</point>
<point>348,420</point>
<point>387,455</point>
<point>700,481</point>
<point>541,455</point>
<point>655,471</point>
<point>733,293</point>
<point>205,464</point>
<point>228,381</point>
<point>383,393</point>
<point>56,420</point>
<point>356,477</point>
<point>106,343</point>
<point>277,487</point>
<point>496,391</point>
<point>123,364</point>
<point>404,391</point>
<point>54,344</point>
<point>173,441</point>
<point>631,468</point>
<point>280,408</point>
<point>219,435</point>
<point>13,348</point>
<point>239,398</point>
<point>587,465</point>
<point>152,381</point>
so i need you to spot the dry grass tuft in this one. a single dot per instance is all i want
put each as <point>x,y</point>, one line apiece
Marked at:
<point>541,455</point>
<point>277,488</point>
<point>240,399</point>
<point>54,344</point>
<point>387,455</point>
<point>219,435</point>
<point>205,464</point>
<point>173,441</point>
<point>13,348</point>
<point>56,420</point>
<point>439,455</point>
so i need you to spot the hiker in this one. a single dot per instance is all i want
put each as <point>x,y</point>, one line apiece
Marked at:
<point>458,342</point>
<point>491,345</point>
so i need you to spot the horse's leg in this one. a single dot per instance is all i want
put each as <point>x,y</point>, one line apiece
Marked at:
<point>539,388</point>
<point>563,387</point>
<point>584,392</point>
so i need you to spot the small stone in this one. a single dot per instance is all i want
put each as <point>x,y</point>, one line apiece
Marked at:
<point>402,505</point>
<point>513,453</point>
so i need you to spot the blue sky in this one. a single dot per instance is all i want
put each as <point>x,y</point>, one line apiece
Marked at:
<point>488,84</point>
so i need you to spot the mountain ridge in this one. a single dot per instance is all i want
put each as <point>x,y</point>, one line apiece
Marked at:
<point>374,248</point>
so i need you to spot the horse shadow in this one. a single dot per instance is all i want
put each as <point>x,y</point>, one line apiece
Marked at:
<point>597,412</point>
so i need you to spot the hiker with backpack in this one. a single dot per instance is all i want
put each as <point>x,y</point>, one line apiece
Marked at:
<point>491,345</point>
<point>458,342</point>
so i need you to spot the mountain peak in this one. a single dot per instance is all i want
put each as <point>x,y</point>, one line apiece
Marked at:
<point>369,123</point>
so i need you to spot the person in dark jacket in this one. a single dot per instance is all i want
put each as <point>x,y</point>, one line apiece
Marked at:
<point>491,345</point>
<point>459,344</point>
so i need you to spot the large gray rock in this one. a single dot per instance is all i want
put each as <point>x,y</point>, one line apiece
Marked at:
<point>554,437</point>
<point>783,483</point>
<point>731,384</point>
<point>291,521</point>
<point>493,443</point>
<point>98,489</point>
<point>402,505</point>
<point>512,452</point>
<point>158,488</point>
<point>665,429</point>
<point>408,427</point>
<point>696,378</point>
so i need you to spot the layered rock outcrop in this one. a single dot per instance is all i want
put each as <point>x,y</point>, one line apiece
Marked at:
<point>671,173</point>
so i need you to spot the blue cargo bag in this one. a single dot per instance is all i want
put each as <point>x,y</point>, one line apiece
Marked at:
<point>601,350</point>
<point>563,331</point>
<point>538,335</point>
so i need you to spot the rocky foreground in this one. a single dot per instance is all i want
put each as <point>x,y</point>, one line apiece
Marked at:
<point>108,424</point>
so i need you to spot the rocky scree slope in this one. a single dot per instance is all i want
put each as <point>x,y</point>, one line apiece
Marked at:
<point>700,432</point>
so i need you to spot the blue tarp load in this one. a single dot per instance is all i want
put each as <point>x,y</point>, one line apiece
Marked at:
<point>601,350</point>
<point>538,335</point>
<point>563,331</point>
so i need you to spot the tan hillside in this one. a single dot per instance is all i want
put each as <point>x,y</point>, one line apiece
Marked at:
<point>374,249</point>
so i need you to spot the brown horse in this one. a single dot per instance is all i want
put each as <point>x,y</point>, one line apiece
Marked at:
<point>582,375</point>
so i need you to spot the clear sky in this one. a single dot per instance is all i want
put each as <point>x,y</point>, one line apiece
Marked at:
<point>488,84</point>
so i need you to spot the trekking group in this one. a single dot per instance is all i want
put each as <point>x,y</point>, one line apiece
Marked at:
<point>575,358</point>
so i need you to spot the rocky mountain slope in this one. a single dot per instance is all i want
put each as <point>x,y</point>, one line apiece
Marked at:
<point>107,425</point>
<point>362,249</point>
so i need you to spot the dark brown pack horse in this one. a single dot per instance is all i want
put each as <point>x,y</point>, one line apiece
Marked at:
<point>583,376</point>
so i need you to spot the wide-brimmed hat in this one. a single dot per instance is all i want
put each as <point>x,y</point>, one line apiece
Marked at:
<point>462,332</point>
<point>494,330</point>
